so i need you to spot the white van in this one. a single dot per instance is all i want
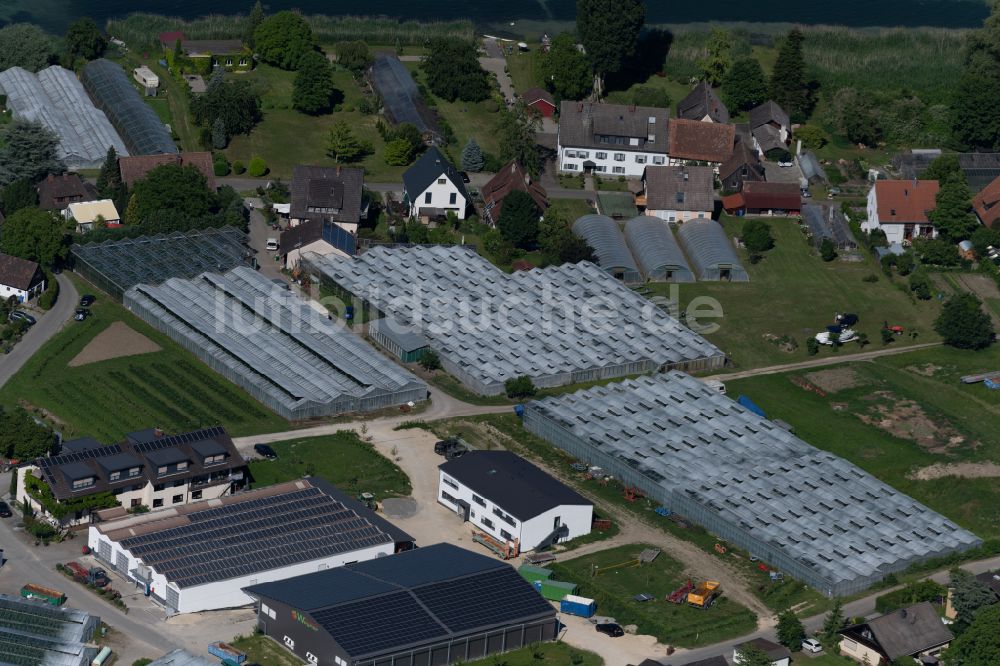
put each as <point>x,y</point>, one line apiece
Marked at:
<point>272,244</point>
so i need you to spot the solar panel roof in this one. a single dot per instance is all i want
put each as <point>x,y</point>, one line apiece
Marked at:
<point>166,456</point>
<point>415,597</point>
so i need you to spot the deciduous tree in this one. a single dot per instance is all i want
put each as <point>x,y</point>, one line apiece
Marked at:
<point>398,152</point>
<point>651,96</point>
<point>313,88</point>
<point>21,437</point>
<point>609,30</point>
<point>25,45</point>
<point>968,595</point>
<point>558,243</point>
<point>516,132</point>
<point>36,235</point>
<point>343,146</point>
<point>963,324</point>
<point>952,215</point>
<point>744,85</point>
<point>827,250</point>
<point>975,116</point>
<point>19,194</point>
<point>757,236</point>
<point>790,631</point>
<point>565,68</point>
<point>283,40</point>
<point>236,103</point>
<point>84,39</point>
<point>354,56</point>
<point>979,645</point>
<point>453,71</point>
<point>29,151</point>
<point>751,655</point>
<point>520,387</point>
<point>182,189</point>
<point>719,60</point>
<point>518,222</point>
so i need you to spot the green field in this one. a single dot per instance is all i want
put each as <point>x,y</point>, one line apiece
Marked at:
<point>919,414</point>
<point>342,459</point>
<point>672,624</point>
<point>265,651</point>
<point>169,388</point>
<point>792,292</point>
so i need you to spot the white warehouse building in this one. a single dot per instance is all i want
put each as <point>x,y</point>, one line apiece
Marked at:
<point>513,501</point>
<point>200,556</point>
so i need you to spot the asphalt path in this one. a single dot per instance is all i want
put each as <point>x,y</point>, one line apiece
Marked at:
<point>49,323</point>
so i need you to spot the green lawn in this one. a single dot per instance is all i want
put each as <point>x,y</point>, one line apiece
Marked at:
<point>263,650</point>
<point>524,69</point>
<point>792,292</point>
<point>342,459</point>
<point>947,422</point>
<point>571,208</point>
<point>170,388</point>
<point>803,659</point>
<point>673,624</point>
<point>554,654</point>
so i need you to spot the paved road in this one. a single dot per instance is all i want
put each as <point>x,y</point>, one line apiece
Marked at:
<point>48,325</point>
<point>859,608</point>
<point>824,361</point>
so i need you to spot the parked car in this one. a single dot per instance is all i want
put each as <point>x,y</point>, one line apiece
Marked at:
<point>455,452</point>
<point>812,645</point>
<point>272,244</point>
<point>87,300</point>
<point>441,446</point>
<point>81,314</point>
<point>785,163</point>
<point>23,316</point>
<point>465,177</point>
<point>5,510</point>
<point>611,629</point>
<point>264,451</point>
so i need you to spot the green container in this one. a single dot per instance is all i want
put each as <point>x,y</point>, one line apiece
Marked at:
<point>554,590</point>
<point>532,573</point>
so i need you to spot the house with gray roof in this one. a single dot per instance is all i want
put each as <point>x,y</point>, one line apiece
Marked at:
<point>770,127</point>
<point>703,104</point>
<point>611,139</point>
<point>743,165</point>
<point>916,632</point>
<point>679,193</point>
<point>20,279</point>
<point>327,195</point>
<point>433,187</point>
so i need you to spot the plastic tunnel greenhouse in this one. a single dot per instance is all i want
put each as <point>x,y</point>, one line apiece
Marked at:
<point>605,236</point>
<point>55,99</point>
<point>141,129</point>
<point>656,250</point>
<point>400,97</point>
<point>712,256</point>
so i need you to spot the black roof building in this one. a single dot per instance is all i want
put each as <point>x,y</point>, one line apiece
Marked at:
<point>327,194</point>
<point>434,605</point>
<point>431,166</point>
<point>86,466</point>
<point>701,103</point>
<point>511,482</point>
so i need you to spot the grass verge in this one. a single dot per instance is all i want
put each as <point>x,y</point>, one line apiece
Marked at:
<point>342,459</point>
<point>263,650</point>
<point>169,388</point>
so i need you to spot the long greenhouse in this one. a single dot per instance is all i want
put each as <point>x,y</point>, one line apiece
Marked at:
<point>656,251</point>
<point>712,255</point>
<point>400,97</point>
<point>55,99</point>
<point>558,325</point>
<point>807,512</point>
<point>273,344</point>
<point>605,237</point>
<point>140,128</point>
<point>116,266</point>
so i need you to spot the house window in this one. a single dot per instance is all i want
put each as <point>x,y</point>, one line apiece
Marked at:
<point>449,482</point>
<point>133,472</point>
<point>619,170</point>
<point>135,502</point>
<point>487,522</point>
<point>177,499</point>
<point>243,62</point>
<point>229,62</point>
<point>659,159</point>
<point>479,500</point>
<point>158,487</point>
<point>196,495</point>
<point>157,503</point>
<point>570,167</point>
<point>506,535</point>
<point>601,169</point>
<point>161,470</point>
<point>83,483</point>
<point>453,198</point>
<point>602,156</point>
<point>441,181</point>
<point>181,466</point>
<point>619,157</point>
<point>557,523</point>
<point>570,153</point>
<point>640,159</point>
<point>583,154</point>
<point>427,197</point>
<point>114,476</point>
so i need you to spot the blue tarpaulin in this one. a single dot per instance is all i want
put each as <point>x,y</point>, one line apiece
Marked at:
<point>751,405</point>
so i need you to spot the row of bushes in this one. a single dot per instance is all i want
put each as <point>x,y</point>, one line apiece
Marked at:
<point>113,597</point>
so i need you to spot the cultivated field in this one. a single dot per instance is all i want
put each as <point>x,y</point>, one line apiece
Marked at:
<point>671,624</point>
<point>908,420</point>
<point>342,459</point>
<point>793,293</point>
<point>107,398</point>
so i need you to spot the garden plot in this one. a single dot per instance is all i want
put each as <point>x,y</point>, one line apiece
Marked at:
<point>116,341</point>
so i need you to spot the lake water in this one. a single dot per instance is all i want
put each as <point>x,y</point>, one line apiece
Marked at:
<point>56,14</point>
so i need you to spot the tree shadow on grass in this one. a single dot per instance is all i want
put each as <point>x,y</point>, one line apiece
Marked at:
<point>649,59</point>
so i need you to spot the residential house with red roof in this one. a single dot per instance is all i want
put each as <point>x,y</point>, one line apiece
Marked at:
<point>900,207</point>
<point>696,141</point>
<point>986,204</point>
<point>763,198</point>
<point>509,178</point>
<point>137,167</point>
<point>540,100</point>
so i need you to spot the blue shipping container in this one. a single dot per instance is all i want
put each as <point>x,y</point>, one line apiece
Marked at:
<point>580,606</point>
<point>226,652</point>
<point>751,405</point>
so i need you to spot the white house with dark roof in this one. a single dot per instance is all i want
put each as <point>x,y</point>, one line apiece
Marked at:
<point>433,186</point>
<point>679,193</point>
<point>513,501</point>
<point>915,633</point>
<point>327,195</point>
<point>611,139</point>
<point>20,278</point>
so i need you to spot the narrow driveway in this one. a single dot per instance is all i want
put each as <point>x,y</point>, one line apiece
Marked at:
<point>826,360</point>
<point>48,325</point>
<point>859,608</point>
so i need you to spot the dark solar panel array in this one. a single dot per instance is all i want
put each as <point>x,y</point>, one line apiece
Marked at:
<point>256,535</point>
<point>482,600</point>
<point>186,438</point>
<point>375,624</point>
<point>79,456</point>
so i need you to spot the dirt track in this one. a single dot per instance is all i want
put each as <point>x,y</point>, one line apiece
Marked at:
<point>116,341</point>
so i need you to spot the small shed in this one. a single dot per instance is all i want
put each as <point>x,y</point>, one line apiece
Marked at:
<point>400,340</point>
<point>605,236</point>
<point>540,100</point>
<point>828,222</point>
<point>656,251</point>
<point>712,256</point>
<point>146,77</point>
